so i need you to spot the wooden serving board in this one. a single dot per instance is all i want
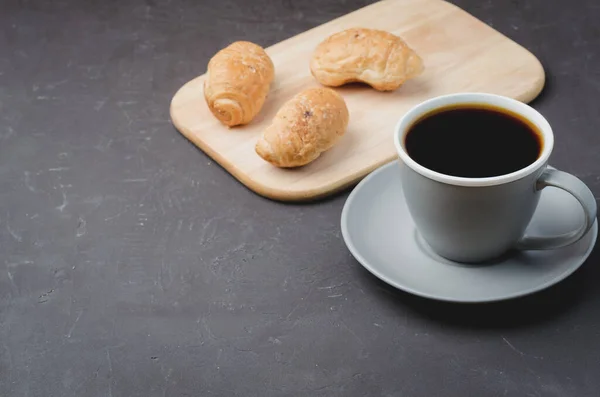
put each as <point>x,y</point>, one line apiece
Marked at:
<point>460,53</point>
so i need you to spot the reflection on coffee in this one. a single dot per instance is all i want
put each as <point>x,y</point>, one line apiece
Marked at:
<point>473,141</point>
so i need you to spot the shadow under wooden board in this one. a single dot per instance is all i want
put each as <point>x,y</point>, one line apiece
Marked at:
<point>460,54</point>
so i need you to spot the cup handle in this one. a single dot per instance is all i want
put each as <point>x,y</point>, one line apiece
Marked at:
<point>578,189</point>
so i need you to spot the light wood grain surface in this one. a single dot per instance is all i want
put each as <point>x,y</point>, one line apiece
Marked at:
<point>460,54</point>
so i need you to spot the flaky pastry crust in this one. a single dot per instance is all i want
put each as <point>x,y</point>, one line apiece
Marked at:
<point>375,57</point>
<point>237,82</point>
<point>304,127</point>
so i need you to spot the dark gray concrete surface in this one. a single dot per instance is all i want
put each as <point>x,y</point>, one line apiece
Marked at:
<point>133,265</point>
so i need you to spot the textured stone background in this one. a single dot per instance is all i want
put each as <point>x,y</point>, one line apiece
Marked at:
<point>133,265</point>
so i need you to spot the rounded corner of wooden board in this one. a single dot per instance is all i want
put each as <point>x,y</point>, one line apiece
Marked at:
<point>537,85</point>
<point>186,92</point>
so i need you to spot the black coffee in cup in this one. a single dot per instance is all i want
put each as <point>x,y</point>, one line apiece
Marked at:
<point>473,141</point>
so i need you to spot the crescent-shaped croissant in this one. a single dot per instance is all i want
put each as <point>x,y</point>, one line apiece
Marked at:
<point>375,57</point>
<point>237,82</point>
<point>305,126</point>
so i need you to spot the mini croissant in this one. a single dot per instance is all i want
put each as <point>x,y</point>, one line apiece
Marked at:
<point>237,82</point>
<point>304,127</point>
<point>375,57</point>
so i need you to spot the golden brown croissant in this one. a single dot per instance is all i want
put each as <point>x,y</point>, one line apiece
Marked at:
<point>375,57</point>
<point>237,82</point>
<point>304,127</point>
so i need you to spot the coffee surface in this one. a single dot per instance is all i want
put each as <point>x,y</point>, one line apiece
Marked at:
<point>473,141</point>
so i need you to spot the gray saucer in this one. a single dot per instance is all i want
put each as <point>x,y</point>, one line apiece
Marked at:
<point>380,234</point>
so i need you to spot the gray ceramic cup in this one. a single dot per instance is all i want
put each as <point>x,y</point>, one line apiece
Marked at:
<point>479,219</point>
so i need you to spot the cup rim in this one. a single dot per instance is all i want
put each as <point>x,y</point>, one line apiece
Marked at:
<point>503,102</point>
